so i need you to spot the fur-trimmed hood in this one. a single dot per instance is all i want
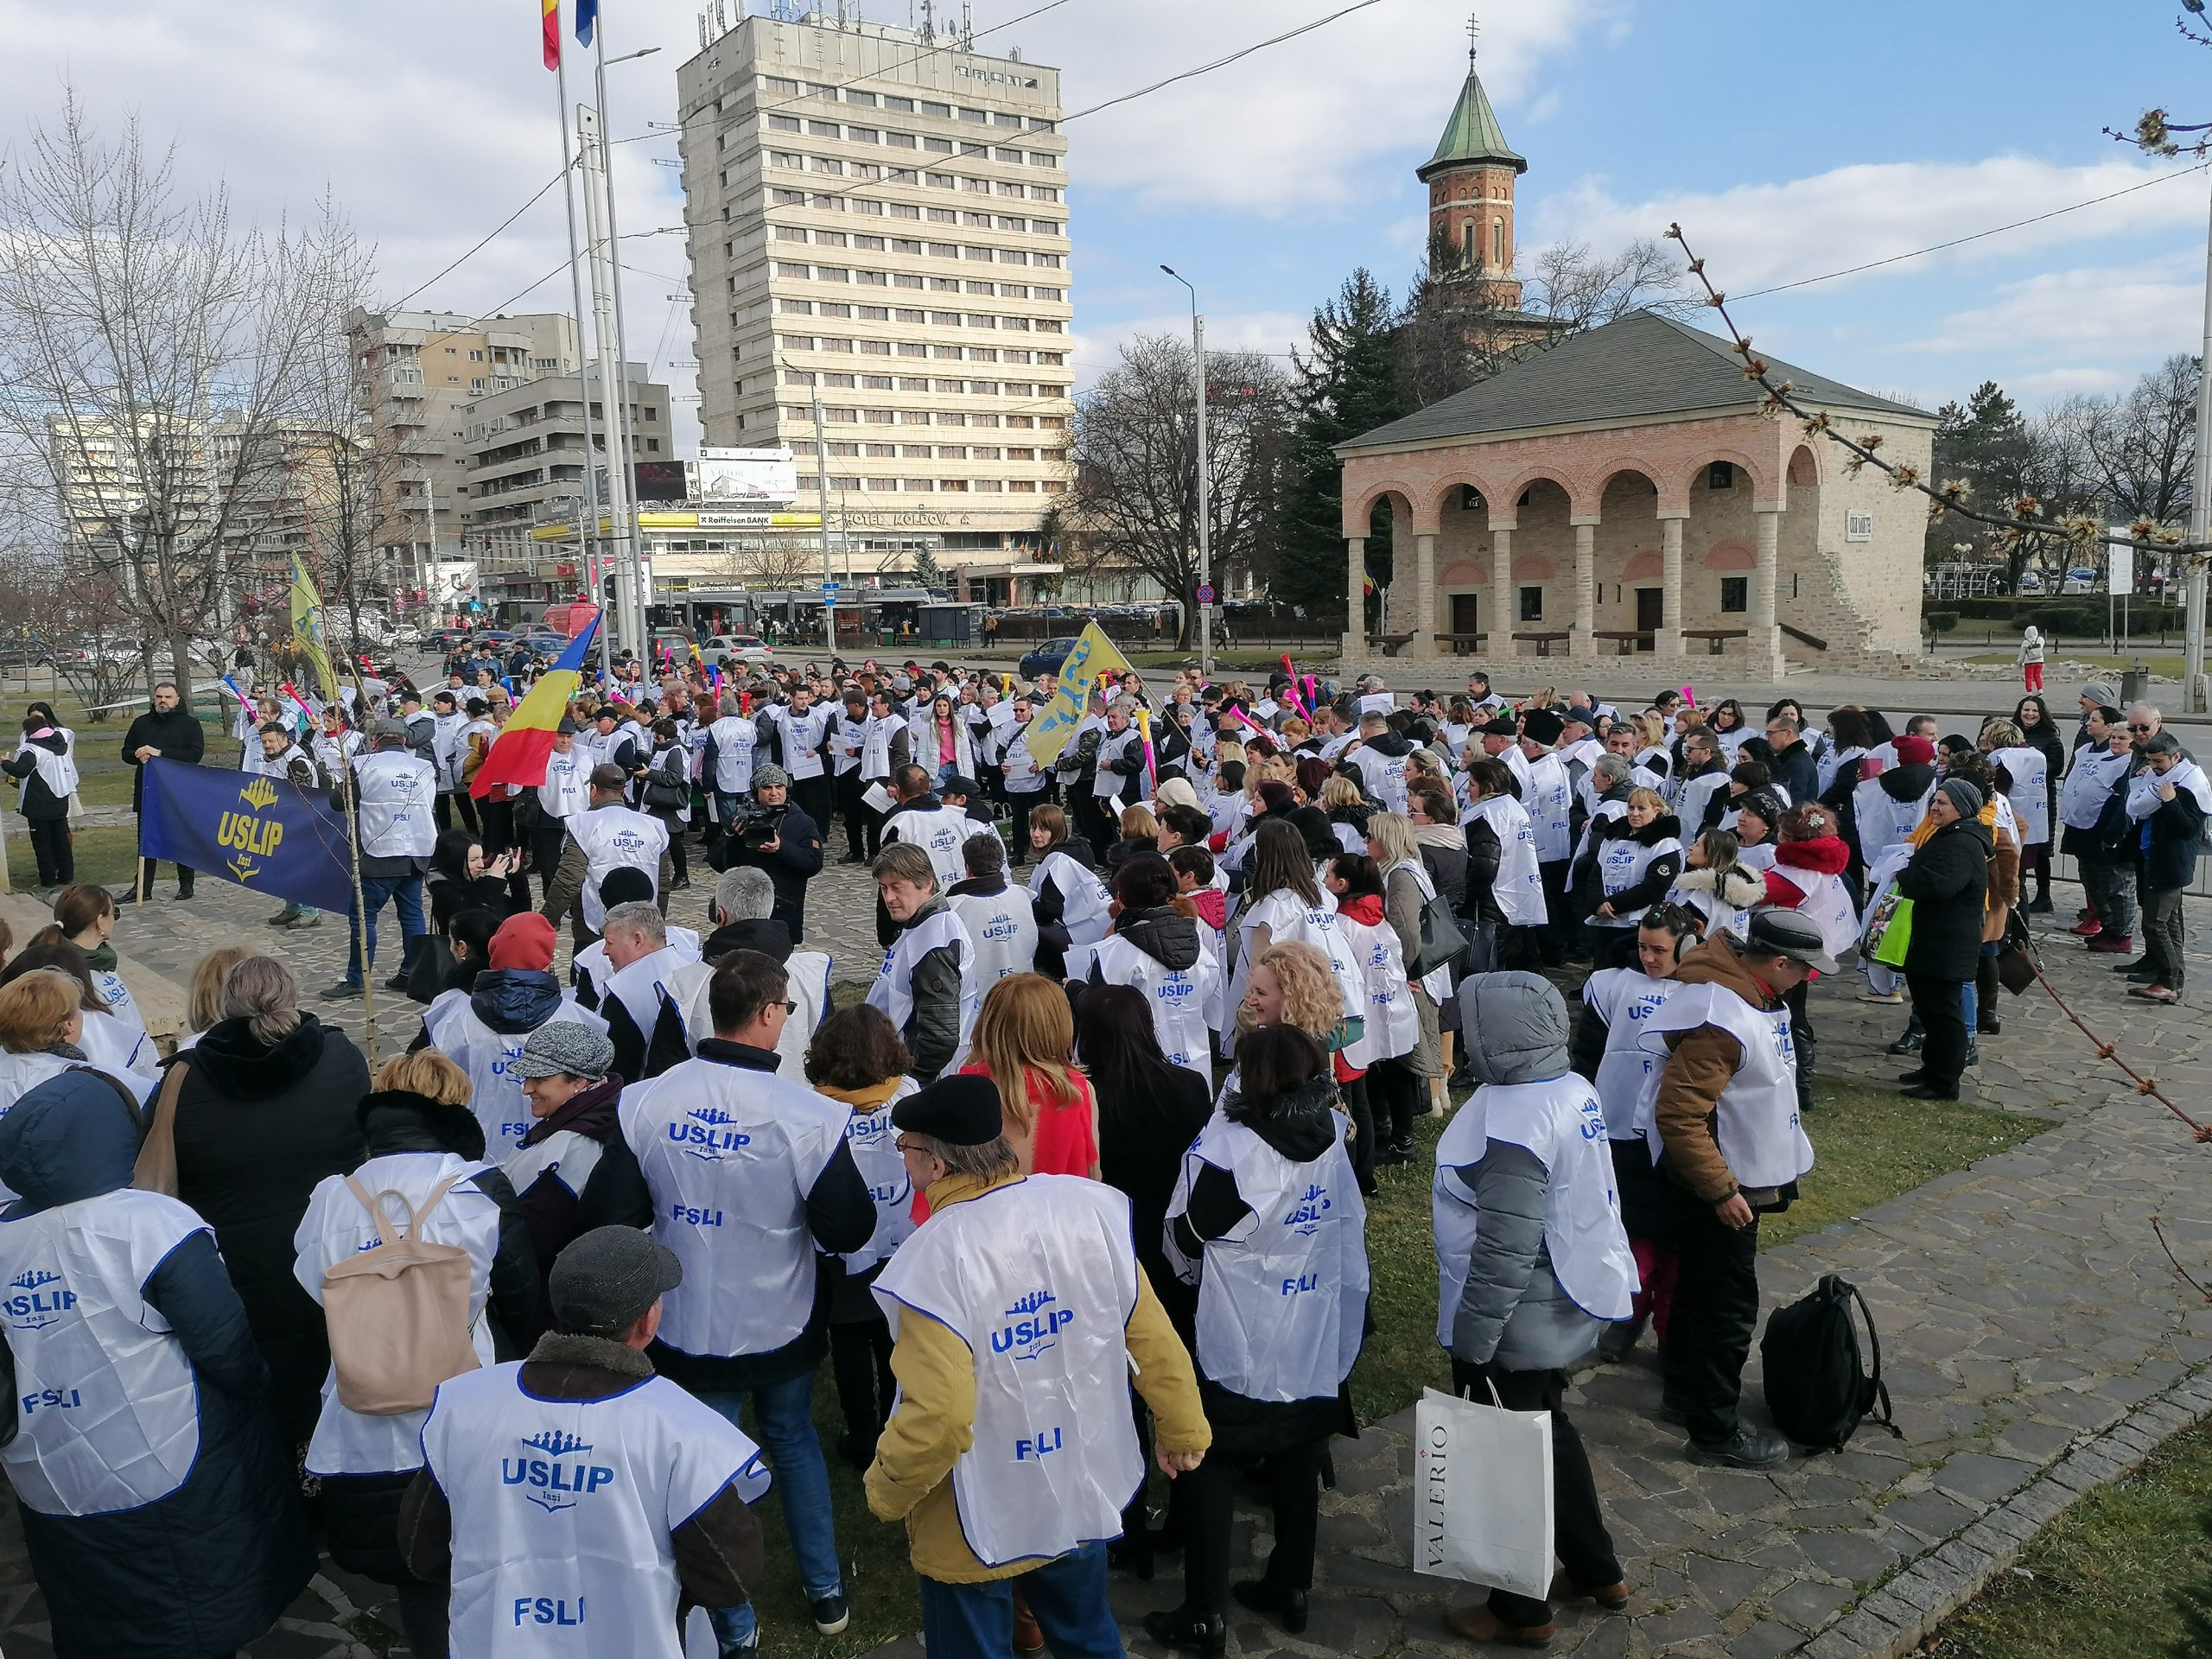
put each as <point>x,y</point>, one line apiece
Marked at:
<point>1740,887</point>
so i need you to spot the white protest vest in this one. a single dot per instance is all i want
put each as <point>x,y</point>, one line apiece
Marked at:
<point>106,1400</point>
<point>1282,1296</point>
<point>1548,799</point>
<point>1697,797</point>
<point>616,838</point>
<point>117,1046</point>
<point>1883,821</point>
<point>803,738</point>
<point>492,1060</point>
<point>1719,915</point>
<point>59,772</point>
<point>806,982</point>
<point>566,792</point>
<point>2029,769</point>
<point>735,740</point>
<point>1828,904</point>
<point>1023,775</point>
<point>941,832</point>
<point>1625,999</point>
<point>1290,920</point>
<point>1437,982</point>
<point>875,745</point>
<point>1084,899</point>
<point>875,1154</point>
<point>1393,1023</point>
<point>562,1511</point>
<point>729,1156</point>
<point>1002,927</point>
<point>2096,773</point>
<point>1832,760</point>
<point>1562,1124</point>
<point>1108,785</point>
<point>1038,1278</point>
<point>445,740</point>
<point>1186,1002</point>
<point>122,1007</point>
<point>1756,1125</point>
<point>893,990</point>
<point>335,1229</point>
<point>1519,885</point>
<point>646,986</point>
<point>2186,777</point>
<point>397,791</point>
<point>1621,864</point>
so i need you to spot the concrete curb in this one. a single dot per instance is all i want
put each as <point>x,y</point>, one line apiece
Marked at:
<point>1892,1619</point>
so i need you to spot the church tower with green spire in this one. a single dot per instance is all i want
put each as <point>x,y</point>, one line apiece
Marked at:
<point>1470,179</point>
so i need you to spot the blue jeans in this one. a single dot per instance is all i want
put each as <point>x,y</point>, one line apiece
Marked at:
<point>405,893</point>
<point>784,1417</point>
<point>1067,1594</point>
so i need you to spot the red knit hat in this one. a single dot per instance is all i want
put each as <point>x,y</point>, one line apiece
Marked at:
<point>523,941</point>
<point>1915,751</point>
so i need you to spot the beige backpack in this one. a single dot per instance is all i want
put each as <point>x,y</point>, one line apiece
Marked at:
<point>397,1312</point>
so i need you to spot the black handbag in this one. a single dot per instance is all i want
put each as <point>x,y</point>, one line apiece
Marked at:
<point>1441,941</point>
<point>2016,962</point>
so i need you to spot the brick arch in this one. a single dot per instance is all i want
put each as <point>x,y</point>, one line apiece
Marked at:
<point>1449,483</point>
<point>1673,491</point>
<point>1803,470</point>
<point>1642,566</point>
<point>1764,491</point>
<point>1358,509</point>
<point>1533,567</point>
<point>1580,503</point>
<point>1467,573</point>
<point>1734,554</point>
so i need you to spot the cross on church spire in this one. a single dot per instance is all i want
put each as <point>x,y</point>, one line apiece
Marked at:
<point>1474,34</point>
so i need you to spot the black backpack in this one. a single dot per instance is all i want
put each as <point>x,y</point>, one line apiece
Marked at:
<point>1816,1388</point>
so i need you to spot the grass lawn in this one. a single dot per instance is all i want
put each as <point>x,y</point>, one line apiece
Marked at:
<point>2109,1576</point>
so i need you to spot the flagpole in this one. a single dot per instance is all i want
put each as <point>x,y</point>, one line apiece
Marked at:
<point>330,691</point>
<point>588,527</point>
<point>618,416</point>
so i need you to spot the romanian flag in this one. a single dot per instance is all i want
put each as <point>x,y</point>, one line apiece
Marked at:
<point>519,752</point>
<point>550,25</point>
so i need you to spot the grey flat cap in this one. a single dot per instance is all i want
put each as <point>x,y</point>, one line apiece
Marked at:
<point>565,1048</point>
<point>607,1279</point>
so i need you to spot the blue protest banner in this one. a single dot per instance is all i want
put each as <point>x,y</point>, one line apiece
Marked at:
<point>260,832</point>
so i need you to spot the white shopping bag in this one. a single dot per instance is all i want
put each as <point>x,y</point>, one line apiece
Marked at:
<point>1483,1493</point>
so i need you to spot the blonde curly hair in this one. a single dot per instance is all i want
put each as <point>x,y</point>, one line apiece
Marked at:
<point>1311,999</point>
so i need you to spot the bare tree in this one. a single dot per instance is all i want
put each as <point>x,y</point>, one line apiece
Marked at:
<point>2142,448</point>
<point>136,320</point>
<point>1136,491</point>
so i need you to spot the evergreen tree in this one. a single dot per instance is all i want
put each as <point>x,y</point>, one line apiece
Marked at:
<point>1347,383</point>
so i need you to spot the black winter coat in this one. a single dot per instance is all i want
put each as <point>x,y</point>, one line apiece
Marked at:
<point>2167,842</point>
<point>1948,881</point>
<point>178,734</point>
<point>1796,771</point>
<point>257,1125</point>
<point>797,861</point>
<point>37,802</point>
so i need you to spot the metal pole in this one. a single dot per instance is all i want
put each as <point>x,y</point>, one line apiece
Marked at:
<point>822,495</point>
<point>589,548</point>
<point>618,412</point>
<point>2200,513</point>
<point>602,256</point>
<point>1205,511</point>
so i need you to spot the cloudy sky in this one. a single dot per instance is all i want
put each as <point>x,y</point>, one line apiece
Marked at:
<point>1791,141</point>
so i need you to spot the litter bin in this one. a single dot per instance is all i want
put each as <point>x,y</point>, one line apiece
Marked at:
<point>2134,684</point>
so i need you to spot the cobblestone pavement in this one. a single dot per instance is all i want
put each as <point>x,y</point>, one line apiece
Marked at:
<point>2023,1303</point>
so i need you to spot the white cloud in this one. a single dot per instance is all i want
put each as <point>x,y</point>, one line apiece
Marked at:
<point>2131,311</point>
<point>1757,236</point>
<point>1096,349</point>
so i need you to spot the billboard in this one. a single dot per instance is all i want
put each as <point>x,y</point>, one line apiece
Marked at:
<point>748,475</point>
<point>659,480</point>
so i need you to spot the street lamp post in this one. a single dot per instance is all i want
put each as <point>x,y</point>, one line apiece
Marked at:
<point>2200,520</point>
<point>620,441</point>
<point>1205,517</point>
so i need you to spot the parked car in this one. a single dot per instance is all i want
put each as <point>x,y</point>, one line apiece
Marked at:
<point>737,644</point>
<point>1047,658</point>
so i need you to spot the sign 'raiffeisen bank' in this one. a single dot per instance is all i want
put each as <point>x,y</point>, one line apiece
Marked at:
<point>702,518</point>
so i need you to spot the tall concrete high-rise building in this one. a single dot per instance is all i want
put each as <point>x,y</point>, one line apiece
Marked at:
<point>879,215</point>
<point>419,372</point>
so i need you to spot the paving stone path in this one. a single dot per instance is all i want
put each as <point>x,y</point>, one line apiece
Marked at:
<point>2024,1305</point>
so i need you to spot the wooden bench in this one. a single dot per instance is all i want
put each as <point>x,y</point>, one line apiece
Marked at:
<point>1544,641</point>
<point>1388,644</point>
<point>1631,639</point>
<point>1715,638</point>
<point>1463,645</point>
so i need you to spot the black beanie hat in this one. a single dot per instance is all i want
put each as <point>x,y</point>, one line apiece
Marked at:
<point>960,1111</point>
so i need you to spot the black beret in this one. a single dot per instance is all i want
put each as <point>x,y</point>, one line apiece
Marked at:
<point>1503,726</point>
<point>960,1111</point>
<point>1542,726</point>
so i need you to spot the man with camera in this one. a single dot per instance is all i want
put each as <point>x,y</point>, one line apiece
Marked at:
<point>772,833</point>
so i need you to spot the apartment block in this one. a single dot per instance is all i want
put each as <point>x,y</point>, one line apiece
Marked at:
<point>878,218</point>
<point>419,373</point>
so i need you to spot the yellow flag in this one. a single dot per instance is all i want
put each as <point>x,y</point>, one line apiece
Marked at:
<point>308,632</point>
<point>1094,654</point>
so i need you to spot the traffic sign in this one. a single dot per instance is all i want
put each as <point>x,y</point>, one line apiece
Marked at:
<point>829,593</point>
<point>1205,592</point>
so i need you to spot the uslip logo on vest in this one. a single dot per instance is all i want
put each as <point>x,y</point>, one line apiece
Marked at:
<point>51,1398</point>
<point>867,1129</point>
<point>35,1306</point>
<point>1000,926</point>
<point>1175,990</point>
<point>1030,1335</point>
<point>1305,1218</point>
<point>556,1484</point>
<point>705,1135</point>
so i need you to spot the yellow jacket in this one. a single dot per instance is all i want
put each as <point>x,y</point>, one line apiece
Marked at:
<point>936,1419</point>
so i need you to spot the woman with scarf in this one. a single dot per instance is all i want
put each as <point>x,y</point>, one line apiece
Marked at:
<point>1808,874</point>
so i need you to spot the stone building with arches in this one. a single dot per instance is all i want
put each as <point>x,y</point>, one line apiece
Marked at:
<point>1623,492</point>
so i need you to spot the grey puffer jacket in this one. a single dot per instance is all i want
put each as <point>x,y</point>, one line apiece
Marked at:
<point>1512,1308</point>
